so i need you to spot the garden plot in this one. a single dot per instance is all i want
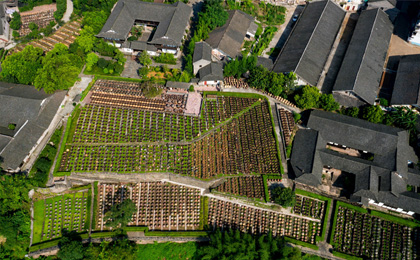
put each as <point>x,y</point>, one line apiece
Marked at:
<point>248,186</point>
<point>364,235</point>
<point>160,206</point>
<point>225,214</point>
<point>309,207</point>
<point>232,135</point>
<point>98,124</point>
<point>134,95</point>
<point>65,35</point>
<point>52,215</point>
<point>40,15</point>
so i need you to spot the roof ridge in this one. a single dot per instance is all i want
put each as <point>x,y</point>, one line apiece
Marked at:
<point>226,26</point>
<point>312,34</point>
<point>364,53</point>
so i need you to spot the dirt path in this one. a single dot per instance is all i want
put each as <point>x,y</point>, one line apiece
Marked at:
<point>69,11</point>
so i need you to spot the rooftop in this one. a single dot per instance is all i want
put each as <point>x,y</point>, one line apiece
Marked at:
<point>363,63</point>
<point>211,72</point>
<point>407,83</point>
<point>172,20</point>
<point>32,112</point>
<point>309,44</point>
<point>230,36</point>
<point>389,146</point>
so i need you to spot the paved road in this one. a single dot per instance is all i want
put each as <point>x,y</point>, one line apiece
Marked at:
<point>69,11</point>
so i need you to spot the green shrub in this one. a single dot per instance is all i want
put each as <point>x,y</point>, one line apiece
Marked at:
<point>168,58</point>
<point>61,9</point>
<point>11,126</point>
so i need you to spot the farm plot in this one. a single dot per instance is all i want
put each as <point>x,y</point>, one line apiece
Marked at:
<point>132,95</point>
<point>368,236</point>
<point>247,219</point>
<point>52,215</point>
<point>249,186</point>
<point>232,135</point>
<point>160,206</point>
<point>125,158</point>
<point>40,15</point>
<point>98,124</point>
<point>309,207</point>
<point>287,125</point>
<point>65,35</point>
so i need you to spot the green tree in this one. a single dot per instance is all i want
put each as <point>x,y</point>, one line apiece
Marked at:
<point>404,118</point>
<point>16,21</point>
<point>327,102</point>
<point>91,59</point>
<point>21,67</point>
<point>33,26</point>
<point>86,40</point>
<point>283,196</point>
<point>120,214</point>
<point>118,249</point>
<point>60,70</point>
<point>308,97</point>
<point>71,247</point>
<point>373,114</point>
<point>95,19</point>
<point>145,59</point>
<point>352,111</point>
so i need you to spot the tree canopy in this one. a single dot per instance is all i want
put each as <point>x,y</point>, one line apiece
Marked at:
<point>373,114</point>
<point>120,214</point>
<point>283,196</point>
<point>60,69</point>
<point>308,97</point>
<point>71,247</point>
<point>22,67</point>
<point>14,215</point>
<point>233,244</point>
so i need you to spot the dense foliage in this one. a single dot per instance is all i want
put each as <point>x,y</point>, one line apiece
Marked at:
<point>61,9</point>
<point>42,165</point>
<point>120,214</point>
<point>81,6</point>
<point>260,77</point>
<point>264,12</point>
<point>283,196</point>
<point>310,97</point>
<point>14,215</point>
<point>211,16</point>
<point>265,40</point>
<point>167,58</point>
<point>16,21</point>
<point>236,245</point>
<point>168,250</point>
<point>21,67</point>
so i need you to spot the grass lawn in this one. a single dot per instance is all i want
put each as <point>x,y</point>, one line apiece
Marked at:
<point>39,213</point>
<point>98,71</point>
<point>168,250</point>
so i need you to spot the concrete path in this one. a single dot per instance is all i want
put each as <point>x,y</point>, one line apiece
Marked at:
<point>69,11</point>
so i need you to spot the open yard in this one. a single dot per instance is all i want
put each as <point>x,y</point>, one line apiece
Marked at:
<point>52,215</point>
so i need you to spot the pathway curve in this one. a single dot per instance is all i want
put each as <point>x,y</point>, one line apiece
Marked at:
<point>69,11</point>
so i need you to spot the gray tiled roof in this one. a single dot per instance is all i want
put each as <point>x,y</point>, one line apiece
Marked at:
<point>362,66</point>
<point>388,144</point>
<point>213,71</point>
<point>202,51</point>
<point>173,20</point>
<point>309,44</point>
<point>407,84</point>
<point>32,112</point>
<point>230,36</point>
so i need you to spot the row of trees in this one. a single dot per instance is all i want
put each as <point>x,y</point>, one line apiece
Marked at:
<point>58,69</point>
<point>233,244</point>
<point>310,97</point>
